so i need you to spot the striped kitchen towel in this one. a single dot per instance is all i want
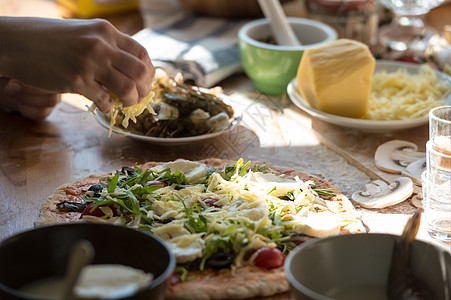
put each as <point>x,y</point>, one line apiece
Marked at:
<point>202,49</point>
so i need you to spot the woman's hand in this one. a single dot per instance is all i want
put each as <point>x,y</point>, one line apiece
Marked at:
<point>89,57</point>
<point>30,102</point>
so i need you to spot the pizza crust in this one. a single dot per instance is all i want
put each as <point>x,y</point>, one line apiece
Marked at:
<point>228,284</point>
<point>49,213</point>
<point>224,284</point>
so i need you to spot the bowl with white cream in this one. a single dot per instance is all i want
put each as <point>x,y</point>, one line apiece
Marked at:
<point>126,263</point>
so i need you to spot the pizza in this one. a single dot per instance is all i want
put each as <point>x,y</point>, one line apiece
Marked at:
<point>229,224</point>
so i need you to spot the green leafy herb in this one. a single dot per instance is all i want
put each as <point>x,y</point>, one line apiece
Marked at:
<point>113,183</point>
<point>198,224</point>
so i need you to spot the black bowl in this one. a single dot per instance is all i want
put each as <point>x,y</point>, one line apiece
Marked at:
<point>44,252</point>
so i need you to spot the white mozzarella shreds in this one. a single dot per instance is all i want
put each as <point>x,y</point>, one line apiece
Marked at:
<point>247,210</point>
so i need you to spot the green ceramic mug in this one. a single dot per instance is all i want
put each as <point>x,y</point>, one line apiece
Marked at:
<point>271,67</point>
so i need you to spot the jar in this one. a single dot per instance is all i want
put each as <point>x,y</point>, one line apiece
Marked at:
<point>352,19</point>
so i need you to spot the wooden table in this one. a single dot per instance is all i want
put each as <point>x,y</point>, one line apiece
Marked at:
<point>36,158</point>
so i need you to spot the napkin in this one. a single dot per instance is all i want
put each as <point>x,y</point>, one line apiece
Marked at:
<point>203,49</point>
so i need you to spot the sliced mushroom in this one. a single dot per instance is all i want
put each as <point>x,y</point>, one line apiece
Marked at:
<point>379,194</point>
<point>394,156</point>
<point>417,200</point>
<point>415,169</point>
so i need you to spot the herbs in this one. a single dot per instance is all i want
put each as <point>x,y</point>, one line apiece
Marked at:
<point>323,192</point>
<point>224,217</point>
<point>198,224</point>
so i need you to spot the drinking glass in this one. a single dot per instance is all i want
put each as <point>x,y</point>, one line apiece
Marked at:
<point>440,128</point>
<point>408,31</point>
<point>437,207</point>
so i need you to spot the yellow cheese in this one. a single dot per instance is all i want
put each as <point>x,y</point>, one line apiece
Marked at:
<point>336,78</point>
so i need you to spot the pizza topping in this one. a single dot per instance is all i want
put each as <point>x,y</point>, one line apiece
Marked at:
<point>220,260</point>
<point>194,172</point>
<point>207,216</point>
<point>318,224</point>
<point>268,258</point>
<point>99,210</point>
<point>156,182</point>
<point>96,190</point>
<point>71,206</point>
<point>211,202</point>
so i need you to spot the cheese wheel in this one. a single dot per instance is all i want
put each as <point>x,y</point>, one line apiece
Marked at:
<point>336,77</point>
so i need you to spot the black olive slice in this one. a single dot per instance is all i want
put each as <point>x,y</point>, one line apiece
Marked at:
<point>71,206</point>
<point>96,189</point>
<point>220,260</point>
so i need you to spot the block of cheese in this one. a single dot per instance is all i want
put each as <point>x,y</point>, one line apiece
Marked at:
<point>336,77</point>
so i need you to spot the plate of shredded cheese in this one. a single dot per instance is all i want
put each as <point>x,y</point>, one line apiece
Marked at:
<point>401,96</point>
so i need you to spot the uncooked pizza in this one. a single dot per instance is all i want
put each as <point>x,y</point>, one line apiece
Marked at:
<point>229,224</point>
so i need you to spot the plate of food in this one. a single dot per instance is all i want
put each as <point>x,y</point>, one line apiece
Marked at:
<point>401,96</point>
<point>229,224</point>
<point>174,113</point>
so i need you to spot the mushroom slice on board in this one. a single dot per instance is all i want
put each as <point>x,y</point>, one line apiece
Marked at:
<point>394,156</point>
<point>415,169</point>
<point>379,194</point>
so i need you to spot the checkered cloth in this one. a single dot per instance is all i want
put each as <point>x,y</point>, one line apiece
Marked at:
<point>203,49</point>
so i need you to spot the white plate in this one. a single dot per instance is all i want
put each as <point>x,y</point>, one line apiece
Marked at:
<point>381,65</point>
<point>100,117</point>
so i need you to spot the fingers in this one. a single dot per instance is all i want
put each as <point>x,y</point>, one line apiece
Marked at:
<point>30,102</point>
<point>35,113</point>
<point>31,96</point>
<point>140,73</point>
<point>135,63</point>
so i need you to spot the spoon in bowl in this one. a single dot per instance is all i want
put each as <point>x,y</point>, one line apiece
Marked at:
<point>81,255</point>
<point>282,31</point>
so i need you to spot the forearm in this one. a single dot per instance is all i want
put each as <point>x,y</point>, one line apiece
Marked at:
<point>7,45</point>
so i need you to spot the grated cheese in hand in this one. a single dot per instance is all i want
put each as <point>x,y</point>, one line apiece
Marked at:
<point>131,112</point>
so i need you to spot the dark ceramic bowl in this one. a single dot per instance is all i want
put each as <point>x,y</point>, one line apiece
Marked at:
<point>44,252</point>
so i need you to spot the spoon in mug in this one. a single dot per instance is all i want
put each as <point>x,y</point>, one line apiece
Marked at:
<point>282,31</point>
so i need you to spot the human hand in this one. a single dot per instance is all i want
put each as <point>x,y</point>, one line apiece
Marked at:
<point>89,57</point>
<point>30,102</point>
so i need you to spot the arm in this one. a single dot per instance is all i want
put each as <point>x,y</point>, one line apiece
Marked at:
<point>89,57</point>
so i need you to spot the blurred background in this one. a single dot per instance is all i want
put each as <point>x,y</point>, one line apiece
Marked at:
<point>357,19</point>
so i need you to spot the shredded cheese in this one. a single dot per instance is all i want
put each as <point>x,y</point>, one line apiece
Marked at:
<point>249,213</point>
<point>131,112</point>
<point>400,95</point>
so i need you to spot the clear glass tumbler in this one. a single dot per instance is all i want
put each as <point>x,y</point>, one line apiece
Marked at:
<point>437,207</point>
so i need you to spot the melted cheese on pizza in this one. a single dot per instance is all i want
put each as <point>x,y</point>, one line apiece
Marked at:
<point>248,212</point>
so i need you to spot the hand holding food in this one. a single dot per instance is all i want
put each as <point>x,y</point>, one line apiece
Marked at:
<point>89,57</point>
<point>172,110</point>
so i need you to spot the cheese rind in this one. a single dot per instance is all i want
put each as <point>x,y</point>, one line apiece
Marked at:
<point>336,77</point>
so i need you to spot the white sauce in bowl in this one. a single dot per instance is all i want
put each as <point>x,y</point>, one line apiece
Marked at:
<point>95,282</point>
